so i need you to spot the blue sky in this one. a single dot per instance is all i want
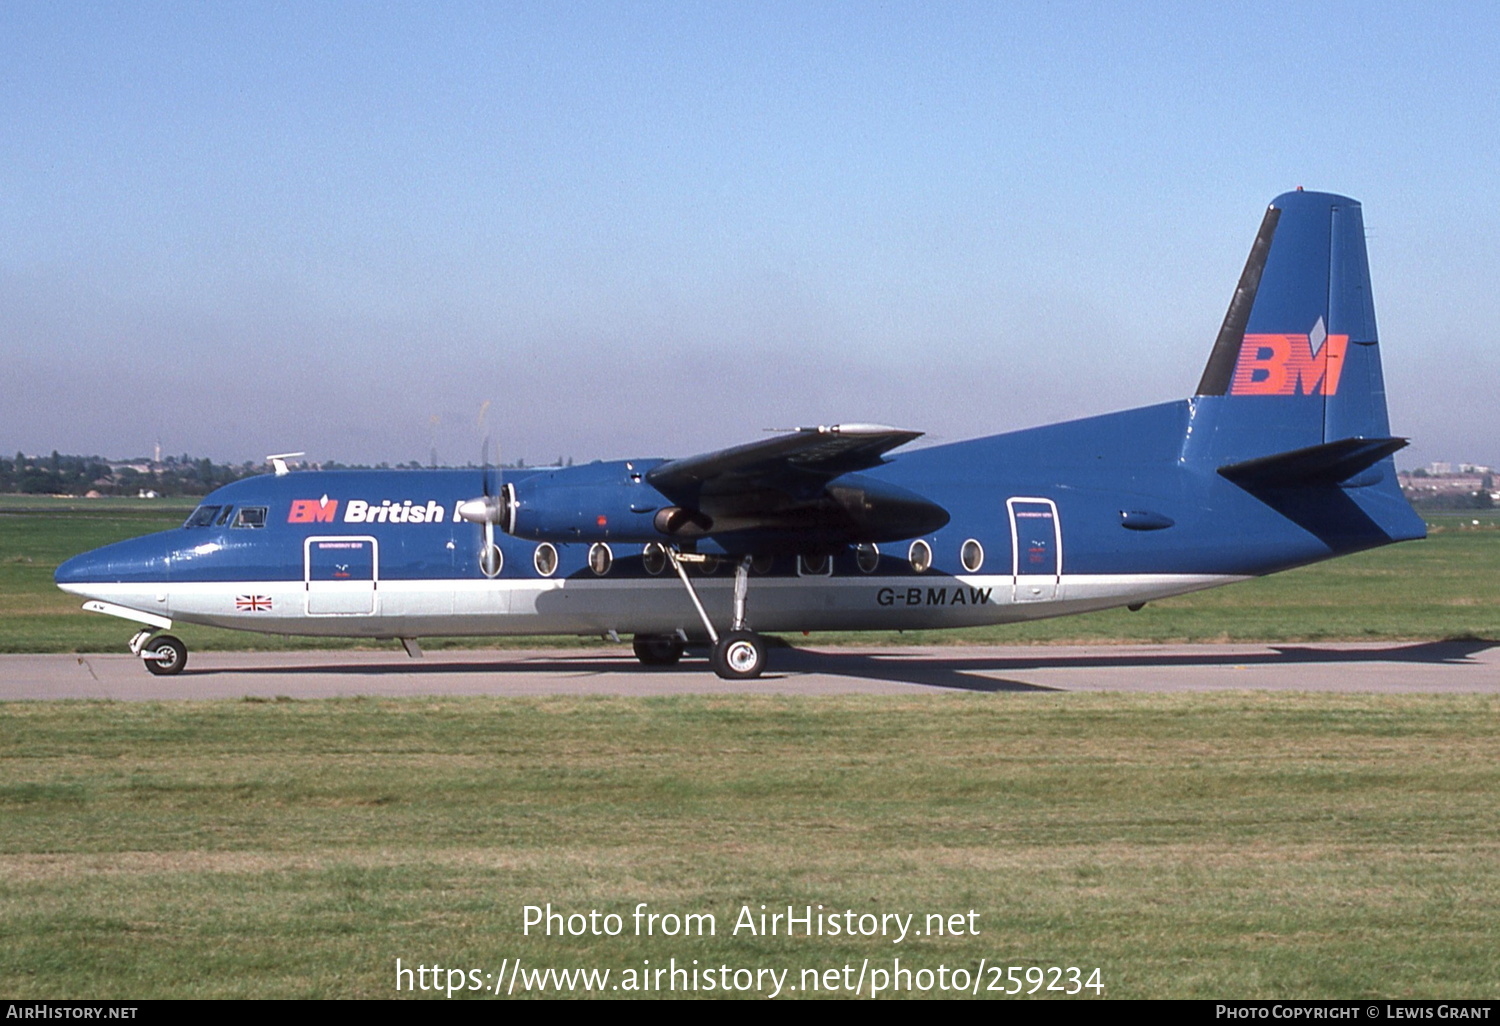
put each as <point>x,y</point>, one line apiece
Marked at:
<point>655,229</point>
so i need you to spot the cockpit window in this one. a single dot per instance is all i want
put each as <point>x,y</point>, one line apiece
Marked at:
<point>224,516</point>
<point>251,516</point>
<point>203,516</point>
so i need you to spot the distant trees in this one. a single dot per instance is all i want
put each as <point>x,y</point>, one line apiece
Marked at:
<point>1439,501</point>
<point>58,474</point>
<point>52,474</point>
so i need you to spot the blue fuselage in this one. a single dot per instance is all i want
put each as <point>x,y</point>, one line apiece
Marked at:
<point>1106,511</point>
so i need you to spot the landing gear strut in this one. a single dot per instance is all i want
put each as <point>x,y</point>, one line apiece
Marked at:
<point>740,654</point>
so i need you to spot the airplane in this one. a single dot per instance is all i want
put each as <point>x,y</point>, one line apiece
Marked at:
<point>1282,457</point>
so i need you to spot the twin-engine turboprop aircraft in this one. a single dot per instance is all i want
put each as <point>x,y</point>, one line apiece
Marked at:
<point>1281,458</point>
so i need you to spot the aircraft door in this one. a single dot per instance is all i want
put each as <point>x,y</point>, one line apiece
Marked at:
<point>1036,549</point>
<point>341,575</point>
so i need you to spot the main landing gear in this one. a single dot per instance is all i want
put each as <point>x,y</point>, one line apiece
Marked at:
<point>164,654</point>
<point>738,655</point>
<point>658,649</point>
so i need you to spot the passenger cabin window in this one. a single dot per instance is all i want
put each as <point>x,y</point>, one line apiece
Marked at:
<point>920,555</point>
<point>251,516</point>
<point>654,558</point>
<point>600,558</point>
<point>203,516</point>
<point>972,556</point>
<point>814,566</point>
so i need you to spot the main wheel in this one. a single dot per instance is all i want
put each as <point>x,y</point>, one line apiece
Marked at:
<point>657,649</point>
<point>740,655</point>
<point>165,655</point>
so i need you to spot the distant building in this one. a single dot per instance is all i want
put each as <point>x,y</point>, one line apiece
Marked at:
<point>1438,488</point>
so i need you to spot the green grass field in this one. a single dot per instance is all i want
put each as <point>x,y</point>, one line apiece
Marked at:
<point>1447,586</point>
<point>1187,846</point>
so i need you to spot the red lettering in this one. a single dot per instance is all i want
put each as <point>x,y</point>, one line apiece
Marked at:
<point>312,511</point>
<point>1285,365</point>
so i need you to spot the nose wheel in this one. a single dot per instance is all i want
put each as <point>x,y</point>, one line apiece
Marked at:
<point>164,655</point>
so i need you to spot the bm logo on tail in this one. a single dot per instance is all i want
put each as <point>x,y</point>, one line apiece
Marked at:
<point>1290,364</point>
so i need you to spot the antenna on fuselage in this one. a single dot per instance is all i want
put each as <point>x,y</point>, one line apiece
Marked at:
<point>278,462</point>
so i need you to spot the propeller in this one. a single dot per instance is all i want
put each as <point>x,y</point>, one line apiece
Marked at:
<point>489,507</point>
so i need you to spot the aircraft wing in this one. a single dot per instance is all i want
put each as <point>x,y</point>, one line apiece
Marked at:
<point>790,463</point>
<point>796,489</point>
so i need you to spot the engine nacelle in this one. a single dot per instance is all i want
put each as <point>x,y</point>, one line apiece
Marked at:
<point>613,502</point>
<point>599,502</point>
<point>883,512</point>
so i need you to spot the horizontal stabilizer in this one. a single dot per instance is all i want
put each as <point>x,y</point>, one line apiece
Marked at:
<point>1326,464</point>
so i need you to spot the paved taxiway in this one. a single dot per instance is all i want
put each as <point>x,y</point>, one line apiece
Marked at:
<point>1411,667</point>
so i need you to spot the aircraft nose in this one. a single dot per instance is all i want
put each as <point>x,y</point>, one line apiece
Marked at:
<point>82,569</point>
<point>139,559</point>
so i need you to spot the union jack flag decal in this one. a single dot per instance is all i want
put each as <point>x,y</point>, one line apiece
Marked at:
<point>253,603</point>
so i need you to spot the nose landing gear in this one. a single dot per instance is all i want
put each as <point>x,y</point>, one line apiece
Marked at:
<point>164,654</point>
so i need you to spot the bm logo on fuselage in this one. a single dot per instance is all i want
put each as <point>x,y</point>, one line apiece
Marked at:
<point>312,511</point>
<point>358,511</point>
<point>1290,364</point>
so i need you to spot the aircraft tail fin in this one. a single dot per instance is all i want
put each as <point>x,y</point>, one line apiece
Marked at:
<point>1296,364</point>
<point>1291,406</point>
